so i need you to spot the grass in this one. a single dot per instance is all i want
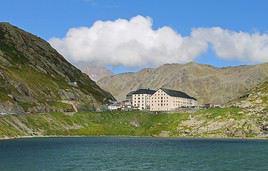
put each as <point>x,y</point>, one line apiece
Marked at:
<point>214,113</point>
<point>133,123</point>
<point>26,105</point>
<point>37,81</point>
<point>90,123</point>
<point>13,55</point>
<point>3,96</point>
<point>60,105</point>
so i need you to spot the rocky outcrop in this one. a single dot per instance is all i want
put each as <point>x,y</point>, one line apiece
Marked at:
<point>255,104</point>
<point>10,108</point>
<point>255,100</point>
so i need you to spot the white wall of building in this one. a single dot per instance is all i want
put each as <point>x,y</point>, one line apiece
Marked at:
<point>141,101</point>
<point>161,101</point>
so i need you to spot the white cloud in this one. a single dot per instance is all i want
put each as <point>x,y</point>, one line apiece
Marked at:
<point>134,43</point>
<point>234,45</point>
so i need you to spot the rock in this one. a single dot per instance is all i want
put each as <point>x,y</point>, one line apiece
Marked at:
<point>164,134</point>
<point>258,101</point>
<point>10,108</point>
<point>134,123</point>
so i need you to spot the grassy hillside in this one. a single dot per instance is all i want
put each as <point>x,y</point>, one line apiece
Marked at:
<point>228,122</point>
<point>34,77</point>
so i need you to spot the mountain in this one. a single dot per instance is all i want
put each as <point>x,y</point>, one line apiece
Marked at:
<point>34,77</point>
<point>95,72</point>
<point>206,83</point>
<point>245,117</point>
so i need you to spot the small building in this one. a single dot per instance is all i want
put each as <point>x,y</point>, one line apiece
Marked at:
<point>126,105</point>
<point>169,100</point>
<point>114,106</point>
<point>141,98</point>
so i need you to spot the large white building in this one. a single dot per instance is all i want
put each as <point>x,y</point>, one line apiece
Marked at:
<point>170,100</point>
<point>161,100</point>
<point>141,98</point>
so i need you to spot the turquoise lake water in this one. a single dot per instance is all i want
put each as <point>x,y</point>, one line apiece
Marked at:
<point>135,154</point>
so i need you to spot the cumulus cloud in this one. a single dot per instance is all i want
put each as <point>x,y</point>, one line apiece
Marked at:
<point>234,45</point>
<point>134,43</point>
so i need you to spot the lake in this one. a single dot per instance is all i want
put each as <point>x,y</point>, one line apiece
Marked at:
<point>135,154</point>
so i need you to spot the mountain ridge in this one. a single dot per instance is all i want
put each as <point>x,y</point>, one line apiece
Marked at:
<point>207,83</point>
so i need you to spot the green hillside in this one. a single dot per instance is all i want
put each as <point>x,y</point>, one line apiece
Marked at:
<point>228,122</point>
<point>34,77</point>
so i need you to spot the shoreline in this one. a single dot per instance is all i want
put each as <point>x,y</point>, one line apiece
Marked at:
<point>131,136</point>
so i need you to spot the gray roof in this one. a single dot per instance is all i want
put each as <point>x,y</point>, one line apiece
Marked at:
<point>175,93</point>
<point>130,93</point>
<point>144,91</point>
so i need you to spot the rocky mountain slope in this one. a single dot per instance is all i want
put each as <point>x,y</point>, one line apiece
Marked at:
<point>206,83</point>
<point>255,99</point>
<point>34,77</point>
<point>255,104</point>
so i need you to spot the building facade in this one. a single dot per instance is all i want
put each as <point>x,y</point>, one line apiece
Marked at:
<point>169,100</point>
<point>141,99</point>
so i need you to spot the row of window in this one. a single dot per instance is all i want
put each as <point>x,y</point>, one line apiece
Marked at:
<point>161,101</point>
<point>138,105</point>
<point>160,104</point>
<point>138,102</point>
<point>140,95</point>
<point>159,97</point>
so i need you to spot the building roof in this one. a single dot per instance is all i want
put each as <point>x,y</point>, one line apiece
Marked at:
<point>175,93</point>
<point>144,91</point>
<point>130,93</point>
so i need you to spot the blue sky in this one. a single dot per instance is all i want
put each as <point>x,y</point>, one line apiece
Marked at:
<point>53,18</point>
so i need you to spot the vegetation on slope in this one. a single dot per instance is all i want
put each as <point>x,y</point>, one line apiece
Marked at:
<point>34,76</point>
<point>228,122</point>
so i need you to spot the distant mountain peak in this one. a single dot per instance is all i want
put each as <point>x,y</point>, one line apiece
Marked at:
<point>95,72</point>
